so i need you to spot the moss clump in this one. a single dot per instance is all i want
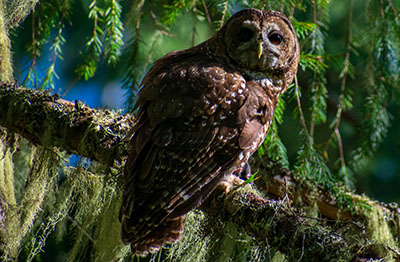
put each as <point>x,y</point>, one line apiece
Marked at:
<point>6,69</point>
<point>9,224</point>
<point>95,220</point>
<point>194,244</point>
<point>380,234</point>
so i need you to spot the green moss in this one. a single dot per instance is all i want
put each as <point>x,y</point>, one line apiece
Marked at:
<point>217,238</point>
<point>6,69</point>
<point>107,240</point>
<point>17,10</point>
<point>6,174</point>
<point>279,257</point>
<point>23,160</point>
<point>96,225</point>
<point>380,233</point>
<point>194,244</point>
<point>378,227</point>
<point>39,180</point>
<point>10,229</point>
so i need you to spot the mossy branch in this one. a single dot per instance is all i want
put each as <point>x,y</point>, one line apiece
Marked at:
<point>47,120</point>
<point>284,222</point>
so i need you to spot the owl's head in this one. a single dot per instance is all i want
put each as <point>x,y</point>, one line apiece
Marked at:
<point>263,43</point>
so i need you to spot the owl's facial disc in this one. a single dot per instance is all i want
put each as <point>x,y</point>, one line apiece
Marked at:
<point>261,45</point>
<point>271,40</point>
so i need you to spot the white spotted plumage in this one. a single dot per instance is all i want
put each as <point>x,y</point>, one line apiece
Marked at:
<point>202,113</point>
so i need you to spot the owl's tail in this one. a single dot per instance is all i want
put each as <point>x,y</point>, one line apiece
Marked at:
<point>166,233</point>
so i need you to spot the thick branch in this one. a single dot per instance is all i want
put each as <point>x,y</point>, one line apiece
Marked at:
<point>280,221</point>
<point>275,224</point>
<point>46,120</point>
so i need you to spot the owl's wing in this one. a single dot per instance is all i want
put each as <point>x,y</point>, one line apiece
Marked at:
<point>256,115</point>
<point>186,135</point>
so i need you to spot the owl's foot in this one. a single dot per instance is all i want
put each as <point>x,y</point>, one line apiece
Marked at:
<point>229,182</point>
<point>245,172</point>
<point>235,180</point>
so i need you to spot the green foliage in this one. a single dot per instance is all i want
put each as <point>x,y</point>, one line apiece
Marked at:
<point>273,144</point>
<point>382,78</point>
<point>311,164</point>
<point>106,38</point>
<point>312,62</point>
<point>252,178</point>
<point>303,29</point>
<point>94,45</point>
<point>52,15</point>
<point>113,39</point>
<point>172,11</point>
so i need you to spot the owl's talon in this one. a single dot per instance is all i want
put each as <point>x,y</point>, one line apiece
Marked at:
<point>245,173</point>
<point>229,183</point>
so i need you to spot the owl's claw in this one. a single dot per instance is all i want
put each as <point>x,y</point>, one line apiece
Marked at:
<point>229,183</point>
<point>236,179</point>
<point>245,172</point>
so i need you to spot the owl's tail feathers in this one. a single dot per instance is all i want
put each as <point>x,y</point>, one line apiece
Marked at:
<point>166,233</point>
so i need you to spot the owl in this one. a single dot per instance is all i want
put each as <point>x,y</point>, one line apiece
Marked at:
<point>201,113</point>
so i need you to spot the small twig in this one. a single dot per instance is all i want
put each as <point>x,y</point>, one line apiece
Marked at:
<point>302,248</point>
<point>206,12</point>
<point>381,9</point>
<point>58,41</point>
<point>302,120</point>
<point>340,145</point>
<point>315,21</point>
<point>69,86</point>
<point>224,14</point>
<point>80,228</point>
<point>194,23</point>
<point>393,7</point>
<point>32,67</point>
<point>342,89</point>
<point>161,27</point>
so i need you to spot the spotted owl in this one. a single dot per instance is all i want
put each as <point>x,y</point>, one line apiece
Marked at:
<point>201,113</point>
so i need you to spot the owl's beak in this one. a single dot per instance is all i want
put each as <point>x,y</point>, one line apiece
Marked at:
<point>260,49</point>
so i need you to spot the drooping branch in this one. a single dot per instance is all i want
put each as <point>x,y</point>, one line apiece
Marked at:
<point>47,120</point>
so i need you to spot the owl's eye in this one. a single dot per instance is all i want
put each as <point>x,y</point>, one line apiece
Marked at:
<point>245,34</point>
<point>275,38</point>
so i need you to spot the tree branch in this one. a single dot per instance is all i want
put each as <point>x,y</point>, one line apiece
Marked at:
<point>280,222</point>
<point>276,224</point>
<point>47,120</point>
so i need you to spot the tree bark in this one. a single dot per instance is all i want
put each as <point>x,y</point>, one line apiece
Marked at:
<point>47,120</point>
<point>279,216</point>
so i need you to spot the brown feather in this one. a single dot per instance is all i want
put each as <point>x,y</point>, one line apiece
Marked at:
<point>201,113</point>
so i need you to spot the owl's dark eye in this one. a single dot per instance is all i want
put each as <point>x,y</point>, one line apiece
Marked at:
<point>245,34</point>
<point>275,38</point>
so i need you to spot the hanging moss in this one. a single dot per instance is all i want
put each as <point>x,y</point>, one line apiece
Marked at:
<point>380,233</point>
<point>21,215</point>
<point>96,225</point>
<point>194,244</point>
<point>57,204</point>
<point>17,10</point>
<point>6,69</point>
<point>10,219</point>
<point>217,238</point>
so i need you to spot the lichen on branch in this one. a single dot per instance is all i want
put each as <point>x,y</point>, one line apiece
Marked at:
<point>47,120</point>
